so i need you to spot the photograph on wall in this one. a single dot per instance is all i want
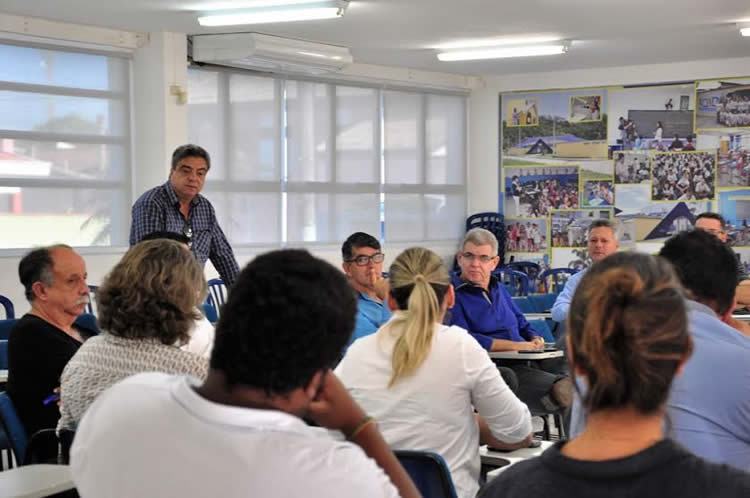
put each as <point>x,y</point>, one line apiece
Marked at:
<point>575,258</point>
<point>734,205</point>
<point>632,167</point>
<point>585,108</point>
<point>734,160</point>
<point>641,219</point>
<point>597,193</point>
<point>568,228</point>
<point>531,192</point>
<point>526,235</point>
<point>683,176</point>
<point>743,255</point>
<point>522,112</point>
<point>722,104</point>
<point>557,136</point>
<point>651,118</point>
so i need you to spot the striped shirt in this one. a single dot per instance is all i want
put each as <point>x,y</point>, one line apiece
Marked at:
<point>158,209</point>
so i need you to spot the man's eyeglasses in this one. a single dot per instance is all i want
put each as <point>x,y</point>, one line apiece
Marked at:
<point>483,258</point>
<point>363,260</point>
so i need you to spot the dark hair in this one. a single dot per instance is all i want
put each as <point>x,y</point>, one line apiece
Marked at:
<point>713,216</point>
<point>289,315</point>
<point>190,150</point>
<point>705,265</point>
<point>628,332</point>
<point>152,293</point>
<point>163,234</point>
<point>355,240</point>
<point>36,266</point>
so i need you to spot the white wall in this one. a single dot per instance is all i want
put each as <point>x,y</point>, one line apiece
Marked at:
<point>484,130</point>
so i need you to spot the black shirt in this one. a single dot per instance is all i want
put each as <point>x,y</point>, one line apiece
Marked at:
<point>661,471</point>
<point>37,354</point>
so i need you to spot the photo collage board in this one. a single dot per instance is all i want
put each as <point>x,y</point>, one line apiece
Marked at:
<point>649,157</point>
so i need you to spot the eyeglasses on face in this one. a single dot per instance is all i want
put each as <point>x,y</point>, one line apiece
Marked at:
<point>483,258</point>
<point>363,260</point>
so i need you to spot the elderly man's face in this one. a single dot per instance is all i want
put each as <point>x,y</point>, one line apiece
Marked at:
<point>68,293</point>
<point>188,176</point>
<point>477,263</point>
<point>601,243</point>
<point>713,227</point>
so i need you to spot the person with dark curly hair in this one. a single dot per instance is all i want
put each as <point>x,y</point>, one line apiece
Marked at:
<point>241,431</point>
<point>147,308</point>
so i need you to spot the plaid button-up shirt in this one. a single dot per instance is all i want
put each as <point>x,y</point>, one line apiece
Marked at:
<point>158,209</point>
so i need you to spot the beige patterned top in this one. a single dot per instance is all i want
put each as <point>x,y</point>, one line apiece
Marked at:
<point>106,359</point>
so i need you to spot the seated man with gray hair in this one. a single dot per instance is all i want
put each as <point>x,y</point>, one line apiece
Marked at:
<point>601,242</point>
<point>484,308</point>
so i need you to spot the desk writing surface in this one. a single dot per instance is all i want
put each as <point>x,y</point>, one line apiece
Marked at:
<point>35,481</point>
<point>515,355</point>
<point>507,459</point>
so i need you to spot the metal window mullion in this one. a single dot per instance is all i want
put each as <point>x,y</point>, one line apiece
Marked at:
<point>10,86</point>
<point>62,137</point>
<point>281,150</point>
<point>379,142</point>
<point>73,183</point>
<point>333,130</point>
<point>422,155</point>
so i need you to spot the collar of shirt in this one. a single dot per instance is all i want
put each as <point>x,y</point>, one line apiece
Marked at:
<point>174,200</point>
<point>464,285</point>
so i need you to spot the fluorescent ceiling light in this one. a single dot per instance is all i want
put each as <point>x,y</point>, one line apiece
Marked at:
<point>496,42</point>
<point>503,52</point>
<point>326,9</point>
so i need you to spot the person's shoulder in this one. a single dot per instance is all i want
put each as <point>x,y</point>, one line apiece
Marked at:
<point>513,481</point>
<point>30,328</point>
<point>155,195</point>
<point>710,479</point>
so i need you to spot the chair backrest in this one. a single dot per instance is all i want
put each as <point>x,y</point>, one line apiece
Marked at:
<point>7,304</point>
<point>3,354</point>
<point>5,327</point>
<point>524,304</point>
<point>209,309</point>
<point>516,282</point>
<point>554,279</point>
<point>495,223</point>
<point>542,303</point>
<point>91,306</point>
<point>429,473</point>
<point>531,269</point>
<point>13,427</point>
<point>217,292</point>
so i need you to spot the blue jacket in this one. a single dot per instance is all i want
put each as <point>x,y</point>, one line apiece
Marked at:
<point>488,315</point>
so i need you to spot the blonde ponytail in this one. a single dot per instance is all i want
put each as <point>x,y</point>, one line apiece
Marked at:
<point>419,282</point>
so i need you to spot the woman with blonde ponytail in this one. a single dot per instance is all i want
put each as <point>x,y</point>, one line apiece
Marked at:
<point>422,381</point>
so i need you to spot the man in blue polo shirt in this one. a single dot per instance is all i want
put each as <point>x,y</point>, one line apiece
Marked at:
<point>363,265</point>
<point>602,241</point>
<point>484,308</point>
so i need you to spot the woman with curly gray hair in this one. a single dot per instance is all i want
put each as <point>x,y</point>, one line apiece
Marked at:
<point>147,307</point>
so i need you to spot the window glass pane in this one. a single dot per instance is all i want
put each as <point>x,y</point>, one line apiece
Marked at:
<point>357,213</point>
<point>404,217</point>
<point>40,160</point>
<point>67,69</point>
<point>446,216</point>
<point>356,126</point>
<point>40,112</point>
<point>446,139</point>
<point>77,217</point>
<point>309,217</point>
<point>254,218</point>
<point>205,119</point>
<point>402,117</point>
<point>308,131</point>
<point>253,128</point>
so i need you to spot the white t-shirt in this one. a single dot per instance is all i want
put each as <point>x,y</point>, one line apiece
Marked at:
<point>201,338</point>
<point>433,410</point>
<point>152,435</point>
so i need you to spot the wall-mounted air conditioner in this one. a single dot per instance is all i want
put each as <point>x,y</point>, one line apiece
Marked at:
<point>258,51</point>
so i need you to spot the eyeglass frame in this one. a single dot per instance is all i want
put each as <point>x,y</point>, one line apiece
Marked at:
<point>470,256</point>
<point>366,260</point>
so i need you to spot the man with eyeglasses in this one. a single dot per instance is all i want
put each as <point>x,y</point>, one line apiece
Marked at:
<point>177,206</point>
<point>485,309</point>
<point>716,225</point>
<point>363,265</point>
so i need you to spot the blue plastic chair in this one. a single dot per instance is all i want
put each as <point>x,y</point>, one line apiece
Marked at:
<point>92,299</point>
<point>13,428</point>
<point>542,303</point>
<point>516,282</point>
<point>558,277</point>
<point>209,309</point>
<point>10,312</point>
<point>217,292</point>
<point>531,269</point>
<point>523,304</point>
<point>5,327</point>
<point>3,354</point>
<point>429,473</point>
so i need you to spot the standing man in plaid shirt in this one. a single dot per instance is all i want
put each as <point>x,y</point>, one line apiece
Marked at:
<point>177,206</point>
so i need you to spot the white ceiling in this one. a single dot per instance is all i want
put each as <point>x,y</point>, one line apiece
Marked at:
<point>405,32</point>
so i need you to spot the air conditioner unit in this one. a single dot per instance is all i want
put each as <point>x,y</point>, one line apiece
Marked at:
<point>258,51</point>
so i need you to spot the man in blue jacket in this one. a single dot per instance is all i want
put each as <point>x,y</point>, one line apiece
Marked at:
<point>484,308</point>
